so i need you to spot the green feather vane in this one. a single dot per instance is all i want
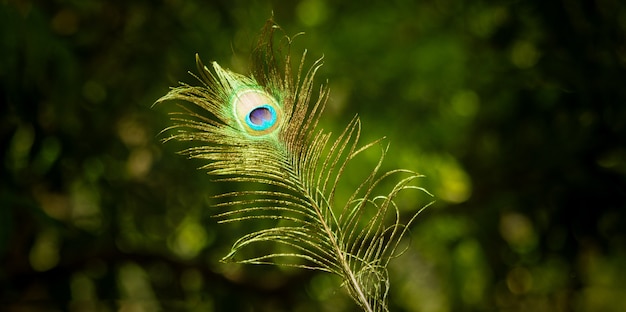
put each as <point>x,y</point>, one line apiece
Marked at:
<point>263,130</point>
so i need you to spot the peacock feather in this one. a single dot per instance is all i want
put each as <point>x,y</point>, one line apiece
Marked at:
<point>263,130</point>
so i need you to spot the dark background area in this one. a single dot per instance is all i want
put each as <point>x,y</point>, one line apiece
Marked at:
<point>515,111</point>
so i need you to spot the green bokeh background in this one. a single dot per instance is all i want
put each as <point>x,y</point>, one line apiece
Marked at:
<point>514,110</point>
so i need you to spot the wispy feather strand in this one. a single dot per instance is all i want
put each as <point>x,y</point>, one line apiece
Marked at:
<point>303,168</point>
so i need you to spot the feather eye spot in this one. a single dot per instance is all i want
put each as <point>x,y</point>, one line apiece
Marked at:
<point>261,118</point>
<point>257,112</point>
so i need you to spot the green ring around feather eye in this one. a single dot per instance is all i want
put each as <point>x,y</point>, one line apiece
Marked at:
<point>255,110</point>
<point>261,117</point>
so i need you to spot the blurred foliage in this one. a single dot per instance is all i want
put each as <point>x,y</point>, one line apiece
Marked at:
<point>515,111</point>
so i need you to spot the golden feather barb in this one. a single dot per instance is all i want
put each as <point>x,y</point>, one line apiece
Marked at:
<point>263,129</point>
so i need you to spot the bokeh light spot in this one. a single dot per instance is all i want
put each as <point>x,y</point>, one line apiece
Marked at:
<point>312,12</point>
<point>44,255</point>
<point>524,54</point>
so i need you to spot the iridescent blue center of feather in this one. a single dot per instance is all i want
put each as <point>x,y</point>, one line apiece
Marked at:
<point>256,111</point>
<point>261,118</point>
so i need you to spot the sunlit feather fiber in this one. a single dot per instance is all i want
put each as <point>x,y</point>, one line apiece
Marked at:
<point>263,129</point>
